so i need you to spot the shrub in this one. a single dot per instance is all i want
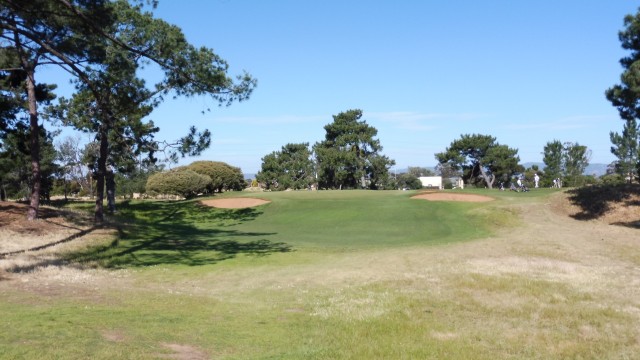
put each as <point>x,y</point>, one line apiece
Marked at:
<point>223,176</point>
<point>408,181</point>
<point>612,179</point>
<point>181,181</point>
<point>447,184</point>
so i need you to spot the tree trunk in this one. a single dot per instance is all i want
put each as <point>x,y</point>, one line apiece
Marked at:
<point>100,175</point>
<point>111,191</point>
<point>34,144</point>
<point>89,179</point>
<point>34,128</point>
<point>486,179</point>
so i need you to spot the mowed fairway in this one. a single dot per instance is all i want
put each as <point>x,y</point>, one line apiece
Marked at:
<point>331,275</point>
<point>366,219</point>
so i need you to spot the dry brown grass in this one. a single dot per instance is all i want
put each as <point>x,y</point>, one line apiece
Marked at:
<point>53,225</point>
<point>555,283</point>
<point>614,204</point>
<point>552,246</point>
<point>30,251</point>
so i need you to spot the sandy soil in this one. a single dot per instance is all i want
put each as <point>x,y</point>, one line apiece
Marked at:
<point>53,227</point>
<point>440,196</point>
<point>234,203</point>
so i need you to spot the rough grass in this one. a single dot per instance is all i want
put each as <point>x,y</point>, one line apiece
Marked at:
<point>616,204</point>
<point>529,282</point>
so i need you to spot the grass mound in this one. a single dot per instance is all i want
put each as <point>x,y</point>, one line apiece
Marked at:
<point>189,233</point>
<point>615,204</point>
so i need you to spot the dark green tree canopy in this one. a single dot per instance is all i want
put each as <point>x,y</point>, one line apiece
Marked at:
<point>553,159</point>
<point>349,156</point>
<point>626,95</point>
<point>408,181</point>
<point>289,168</point>
<point>16,177</point>
<point>626,98</point>
<point>576,160</point>
<point>565,161</point>
<point>627,149</point>
<point>16,153</point>
<point>481,159</point>
<point>104,44</point>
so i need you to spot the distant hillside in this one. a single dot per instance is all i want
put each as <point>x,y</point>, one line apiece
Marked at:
<point>596,169</point>
<point>592,169</point>
<point>527,165</point>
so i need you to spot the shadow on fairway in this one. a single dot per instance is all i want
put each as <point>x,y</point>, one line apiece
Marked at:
<point>595,201</point>
<point>186,233</point>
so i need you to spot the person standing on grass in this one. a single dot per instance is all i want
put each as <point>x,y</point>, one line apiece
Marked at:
<point>536,179</point>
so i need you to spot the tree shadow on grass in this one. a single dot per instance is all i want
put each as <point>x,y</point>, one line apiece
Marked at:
<point>181,233</point>
<point>71,237</point>
<point>598,200</point>
<point>185,212</point>
<point>156,244</point>
<point>13,215</point>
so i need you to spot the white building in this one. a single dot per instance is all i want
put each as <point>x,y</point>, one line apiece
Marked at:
<point>431,181</point>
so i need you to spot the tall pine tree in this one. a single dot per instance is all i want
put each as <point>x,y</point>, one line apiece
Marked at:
<point>98,40</point>
<point>626,98</point>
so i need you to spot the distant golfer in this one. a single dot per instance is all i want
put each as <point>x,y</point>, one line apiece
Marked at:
<point>536,179</point>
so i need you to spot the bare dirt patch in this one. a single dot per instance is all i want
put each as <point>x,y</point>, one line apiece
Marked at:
<point>114,336</point>
<point>441,196</point>
<point>614,205</point>
<point>234,203</point>
<point>52,226</point>
<point>30,251</point>
<point>13,217</point>
<point>185,352</point>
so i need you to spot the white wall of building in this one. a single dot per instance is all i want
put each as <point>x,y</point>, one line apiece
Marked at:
<point>431,181</point>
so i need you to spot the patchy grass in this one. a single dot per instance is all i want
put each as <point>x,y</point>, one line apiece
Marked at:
<point>616,204</point>
<point>185,232</point>
<point>189,233</point>
<point>508,279</point>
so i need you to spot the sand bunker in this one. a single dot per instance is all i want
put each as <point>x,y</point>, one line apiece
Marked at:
<point>234,203</point>
<point>437,196</point>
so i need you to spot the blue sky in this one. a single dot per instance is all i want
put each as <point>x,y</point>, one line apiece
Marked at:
<point>422,72</point>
